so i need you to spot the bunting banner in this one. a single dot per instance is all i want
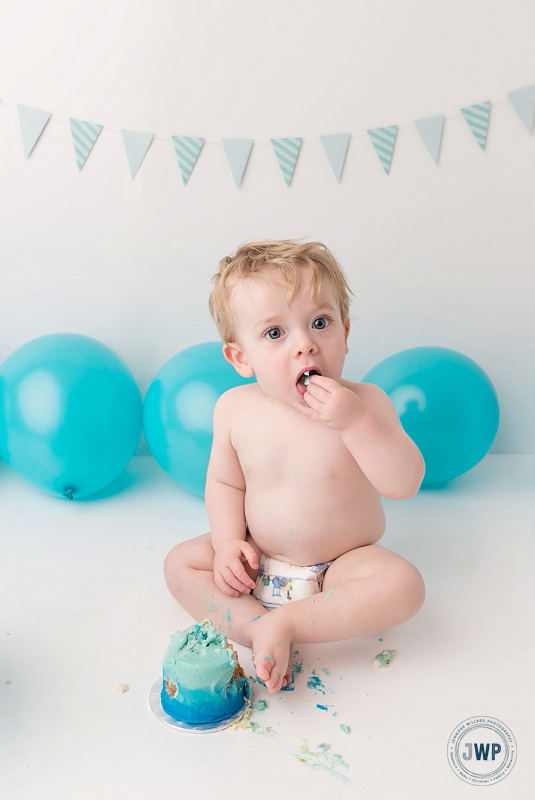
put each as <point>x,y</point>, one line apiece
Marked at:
<point>335,146</point>
<point>430,129</point>
<point>237,152</point>
<point>523,102</point>
<point>477,118</point>
<point>286,152</point>
<point>136,145</point>
<point>84,136</point>
<point>383,140</point>
<point>187,151</point>
<point>33,121</point>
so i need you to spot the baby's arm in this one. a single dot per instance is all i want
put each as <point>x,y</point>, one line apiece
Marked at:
<point>387,456</point>
<point>224,499</point>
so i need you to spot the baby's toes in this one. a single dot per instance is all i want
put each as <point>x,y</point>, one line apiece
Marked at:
<point>274,683</point>
<point>264,668</point>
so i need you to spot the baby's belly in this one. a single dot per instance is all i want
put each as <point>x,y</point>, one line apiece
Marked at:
<point>304,527</point>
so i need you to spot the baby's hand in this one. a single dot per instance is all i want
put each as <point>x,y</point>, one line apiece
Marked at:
<point>229,573</point>
<point>331,404</point>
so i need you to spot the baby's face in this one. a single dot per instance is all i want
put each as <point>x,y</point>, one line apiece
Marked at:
<point>278,343</point>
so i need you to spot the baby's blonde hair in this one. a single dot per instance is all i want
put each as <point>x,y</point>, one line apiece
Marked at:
<point>265,260</point>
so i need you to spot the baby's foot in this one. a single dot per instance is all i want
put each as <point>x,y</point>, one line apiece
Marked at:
<point>271,648</point>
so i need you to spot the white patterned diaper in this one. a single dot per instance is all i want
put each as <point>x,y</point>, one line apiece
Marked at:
<point>279,582</point>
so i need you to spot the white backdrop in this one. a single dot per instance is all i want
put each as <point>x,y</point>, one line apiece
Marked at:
<point>437,255</point>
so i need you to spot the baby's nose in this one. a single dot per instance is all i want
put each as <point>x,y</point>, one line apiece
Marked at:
<point>305,343</point>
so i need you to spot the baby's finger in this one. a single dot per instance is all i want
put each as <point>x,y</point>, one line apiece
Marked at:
<point>251,556</point>
<point>223,586</point>
<point>241,574</point>
<point>233,581</point>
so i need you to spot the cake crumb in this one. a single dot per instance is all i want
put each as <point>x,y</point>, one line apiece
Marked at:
<point>384,657</point>
<point>121,687</point>
<point>8,681</point>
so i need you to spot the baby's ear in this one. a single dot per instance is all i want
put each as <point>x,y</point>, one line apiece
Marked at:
<point>233,354</point>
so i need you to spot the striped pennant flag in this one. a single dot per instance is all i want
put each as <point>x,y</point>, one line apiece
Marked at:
<point>237,152</point>
<point>430,129</point>
<point>136,145</point>
<point>32,123</point>
<point>84,136</point>
<point>187,149</point>
<point>384,139</point>
<point>335,146</point>
<point>523,102</point>
<point>286,152</point>
<point>477,117</point>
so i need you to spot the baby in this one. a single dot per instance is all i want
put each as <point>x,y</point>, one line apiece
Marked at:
<point>299,462</point>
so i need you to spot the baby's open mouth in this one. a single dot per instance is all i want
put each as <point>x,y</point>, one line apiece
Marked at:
<point>303,380</point>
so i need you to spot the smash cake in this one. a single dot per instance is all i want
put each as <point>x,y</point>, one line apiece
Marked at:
<point>202,678</point>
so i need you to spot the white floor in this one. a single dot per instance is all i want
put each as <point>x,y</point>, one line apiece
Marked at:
<point>83,607</point>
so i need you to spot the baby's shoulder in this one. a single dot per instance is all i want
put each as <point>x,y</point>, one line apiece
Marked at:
<point>377,401</point>
<point>230,402</point>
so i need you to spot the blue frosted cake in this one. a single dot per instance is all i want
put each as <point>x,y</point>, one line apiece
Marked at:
<point>202,679</point>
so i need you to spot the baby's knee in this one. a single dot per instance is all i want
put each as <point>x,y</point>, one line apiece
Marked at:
<point>412,587</point>
<point>194,553</point>
<point>173,561</point>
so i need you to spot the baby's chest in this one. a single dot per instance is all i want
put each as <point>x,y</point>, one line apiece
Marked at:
<point>280,453</point>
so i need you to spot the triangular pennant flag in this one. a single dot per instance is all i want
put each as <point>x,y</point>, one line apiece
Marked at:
<point>136,145</point>
<point>237,152</point>
<point>477,117</point>
<point>286,151</point>
<point>187,149</point>
<point>84,136</point>
<point>32,123</point>
<point>523,101</point>
<point>384,139</point>
<point>430,129</point>
<point>335,146</point>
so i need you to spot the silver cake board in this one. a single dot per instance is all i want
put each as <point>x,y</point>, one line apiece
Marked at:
<point>155,704</point>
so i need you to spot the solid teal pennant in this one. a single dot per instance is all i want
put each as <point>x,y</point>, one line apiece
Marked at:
<point>430,129</point>
<point>523,102</point>
<point>136,145</point>
<point>335,146</point>
<point>237,152</point>
<point>32,123</point>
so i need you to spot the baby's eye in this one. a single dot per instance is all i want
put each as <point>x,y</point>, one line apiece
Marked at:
<point>325,319</point>
<point>267,333</point>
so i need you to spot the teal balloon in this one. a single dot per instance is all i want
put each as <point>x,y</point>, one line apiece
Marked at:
<point>72,414</point>
<point>446,404</point>
<point>178,409</point>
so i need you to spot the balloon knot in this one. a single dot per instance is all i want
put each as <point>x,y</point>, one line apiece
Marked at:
<point>68,493</point>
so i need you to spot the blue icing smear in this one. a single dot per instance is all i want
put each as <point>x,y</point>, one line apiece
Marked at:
<point>322,759</point>
<point>315,683</point>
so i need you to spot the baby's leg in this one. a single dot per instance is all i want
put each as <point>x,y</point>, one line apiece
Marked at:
<point>364,591</point>
<point>188,571</point>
